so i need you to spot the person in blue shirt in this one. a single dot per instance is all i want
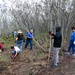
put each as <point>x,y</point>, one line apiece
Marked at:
<point>30,36</point>
<point>72,43</point>
<point>14,33</point>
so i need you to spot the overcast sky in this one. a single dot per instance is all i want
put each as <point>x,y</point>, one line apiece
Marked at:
<point>10,2</point>
<point>20,0</point>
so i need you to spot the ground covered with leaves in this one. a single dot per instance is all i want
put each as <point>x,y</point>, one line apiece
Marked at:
<point>35,62</point>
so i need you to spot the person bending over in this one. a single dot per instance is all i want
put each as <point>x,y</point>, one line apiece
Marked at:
<point>15,51</point>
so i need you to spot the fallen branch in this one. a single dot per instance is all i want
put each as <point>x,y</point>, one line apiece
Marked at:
<point>39,45</point>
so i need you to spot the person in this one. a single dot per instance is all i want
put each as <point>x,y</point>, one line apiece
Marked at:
<point>72,43</point>
<point>1,46</point>
<point>8,35</point>
<point>15,52</point>
<point>57,45</point>
<point>14,33</point>
<point>20,39</point>
<point>30,36</point>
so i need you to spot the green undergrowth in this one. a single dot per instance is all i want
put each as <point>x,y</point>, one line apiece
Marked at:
<point>7,40</point>
<point>3,57</point>
<point>40,54</point>
<point>42,39</point>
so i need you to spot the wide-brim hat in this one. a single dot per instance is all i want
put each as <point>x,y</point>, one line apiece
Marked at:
<point>19,31</point>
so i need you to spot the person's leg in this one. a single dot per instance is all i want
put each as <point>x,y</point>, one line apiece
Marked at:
<point>21,43</point>
<point>56,56</point>
<point>70,46</point>
<point>27,42</point>
<point>73,49</point>
<point>30,44</point>
<point>57,61</point>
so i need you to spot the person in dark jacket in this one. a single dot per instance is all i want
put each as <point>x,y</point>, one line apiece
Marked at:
<point>19,39</point>
<point>57,45</point>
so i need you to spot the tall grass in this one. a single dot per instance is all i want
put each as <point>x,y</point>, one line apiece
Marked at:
<point>43,39</point>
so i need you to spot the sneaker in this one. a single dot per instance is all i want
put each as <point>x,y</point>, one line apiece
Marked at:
<point>53,66</point>
<point>73,55</point>
<point>58,63</point>
<point>67,53</point>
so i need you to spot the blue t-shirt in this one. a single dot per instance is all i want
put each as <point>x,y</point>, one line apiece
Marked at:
<point>29,35</point>
<point>72,37</point>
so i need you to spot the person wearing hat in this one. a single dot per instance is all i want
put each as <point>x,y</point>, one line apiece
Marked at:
<point>19,39</point>
<point>72,43</point>
<point>57,45</point>
<point>29,35</point>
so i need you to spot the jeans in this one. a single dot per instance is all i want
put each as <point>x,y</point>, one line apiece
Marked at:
<point>71,45</point>
<point>19,42</point>
<point>14,52</point>
<point>28,41</point>
<point>56,55</point>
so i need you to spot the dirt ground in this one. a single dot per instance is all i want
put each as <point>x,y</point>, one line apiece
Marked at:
<point>35,62</point>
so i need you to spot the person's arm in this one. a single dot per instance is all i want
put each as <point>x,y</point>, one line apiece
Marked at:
<point>2,47</point>
<point>16,54</point>
<point>32,35</point>
<point>74,39</point>
<point>52,34</point>
<point>58,34</point>
<point>17,37</point>
<point>27,33</point>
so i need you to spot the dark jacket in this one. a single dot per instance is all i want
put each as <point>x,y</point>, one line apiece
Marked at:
<point>57,38</point>
<point>20,37</point>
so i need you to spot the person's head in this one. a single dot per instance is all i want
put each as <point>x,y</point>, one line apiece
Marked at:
<point>2,43</point>
<point>31,31</point>
<point>19,32</point>
<point>73,28</point>
<point>12,47</point>
<point>58,29</point>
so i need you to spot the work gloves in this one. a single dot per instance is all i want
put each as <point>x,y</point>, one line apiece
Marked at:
<point>74,42</point>
<point>50,33</point>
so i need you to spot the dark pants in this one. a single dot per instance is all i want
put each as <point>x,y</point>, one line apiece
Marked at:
<point>28,41</point>
<point>19,42</point>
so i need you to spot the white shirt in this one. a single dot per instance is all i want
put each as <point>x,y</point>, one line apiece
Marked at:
<point>17,49</point>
